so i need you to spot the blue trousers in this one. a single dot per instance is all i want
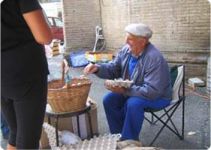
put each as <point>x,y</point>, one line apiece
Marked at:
<point>125,115</point>
<point>4,128</point>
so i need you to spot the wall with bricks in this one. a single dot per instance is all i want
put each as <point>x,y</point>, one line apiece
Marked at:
<point>181,27</point>
<point>80,19</point>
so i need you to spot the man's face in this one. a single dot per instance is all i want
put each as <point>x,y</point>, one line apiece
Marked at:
<point>136,43</point>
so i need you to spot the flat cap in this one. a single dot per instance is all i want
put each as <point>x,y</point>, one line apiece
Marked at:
<point>139,29</point>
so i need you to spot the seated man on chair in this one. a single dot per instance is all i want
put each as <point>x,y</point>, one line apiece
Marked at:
<point>142,62</point>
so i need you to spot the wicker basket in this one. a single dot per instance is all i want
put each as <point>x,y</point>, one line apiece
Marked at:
<point>68,98</point>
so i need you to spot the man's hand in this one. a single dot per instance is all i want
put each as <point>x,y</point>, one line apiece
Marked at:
<point>90,68</point>
<point>115,89</point>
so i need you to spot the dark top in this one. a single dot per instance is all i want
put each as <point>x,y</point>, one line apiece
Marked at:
<point>22,58</point>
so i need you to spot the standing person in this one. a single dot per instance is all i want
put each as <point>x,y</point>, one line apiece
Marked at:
<point>24,71</point>
<point>142,62</point>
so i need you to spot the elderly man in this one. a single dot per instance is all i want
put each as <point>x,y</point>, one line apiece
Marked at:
<point>143,63</point>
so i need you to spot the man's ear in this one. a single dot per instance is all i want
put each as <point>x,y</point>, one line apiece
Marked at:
<point>145,41</point>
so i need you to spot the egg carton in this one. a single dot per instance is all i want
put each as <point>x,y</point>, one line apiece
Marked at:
<point>120,82</point>
<point>102,142</point>
<point>50,131</point>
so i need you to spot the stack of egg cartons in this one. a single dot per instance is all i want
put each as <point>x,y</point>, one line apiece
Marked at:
<point>55,48</point>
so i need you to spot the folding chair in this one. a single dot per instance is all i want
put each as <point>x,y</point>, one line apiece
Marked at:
<point>178,98</point>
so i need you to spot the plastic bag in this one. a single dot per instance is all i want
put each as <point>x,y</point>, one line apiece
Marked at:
<point>68,138</point>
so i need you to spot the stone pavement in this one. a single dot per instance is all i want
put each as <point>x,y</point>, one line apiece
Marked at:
<point>197,114</point>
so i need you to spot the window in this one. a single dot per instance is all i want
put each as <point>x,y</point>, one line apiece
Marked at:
<point>58,22</point>
<point>50,21</point>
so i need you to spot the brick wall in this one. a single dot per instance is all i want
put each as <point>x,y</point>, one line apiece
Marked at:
<point>181,27</point>
<point>80,19</point>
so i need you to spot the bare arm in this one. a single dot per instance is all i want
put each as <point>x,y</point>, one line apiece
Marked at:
<point>38,26</point>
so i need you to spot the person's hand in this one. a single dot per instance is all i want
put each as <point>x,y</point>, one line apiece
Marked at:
<point>90,68</point>
<point>115,89</point>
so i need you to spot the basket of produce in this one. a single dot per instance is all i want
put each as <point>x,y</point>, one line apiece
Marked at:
<point>68,96</point>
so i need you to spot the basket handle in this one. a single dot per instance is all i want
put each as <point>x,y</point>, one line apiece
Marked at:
<point>64,67</point>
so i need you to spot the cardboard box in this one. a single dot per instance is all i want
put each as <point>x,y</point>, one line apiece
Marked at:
<point>99,56</point>
<point>70,124</point>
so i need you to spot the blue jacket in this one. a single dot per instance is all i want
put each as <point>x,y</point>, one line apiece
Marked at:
<point>151,74</point>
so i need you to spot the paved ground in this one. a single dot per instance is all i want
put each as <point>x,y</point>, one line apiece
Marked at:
<point>197,115</point>
<point>197,120</point>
